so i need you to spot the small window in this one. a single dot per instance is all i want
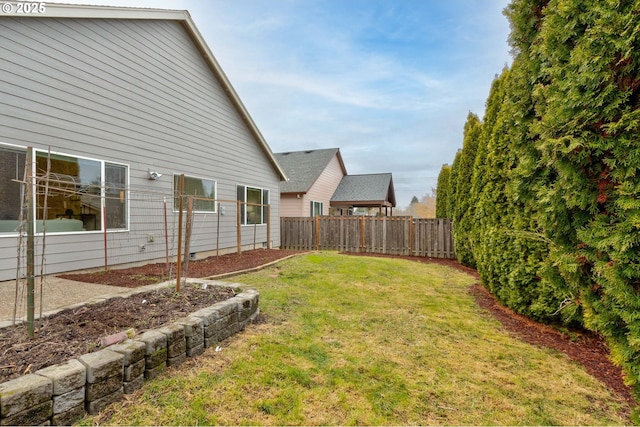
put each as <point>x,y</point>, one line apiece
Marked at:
<point>202,190</point>
<point>316,208</point>
<point>115,195</point>
<point>12,164</point>
<point>253,210</point>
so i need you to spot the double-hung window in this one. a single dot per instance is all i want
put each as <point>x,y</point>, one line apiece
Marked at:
<point>253,209</point>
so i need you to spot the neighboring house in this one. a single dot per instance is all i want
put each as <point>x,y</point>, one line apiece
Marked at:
<point>319,185</point>
<point>365,191</point>
<point>313,176</point>
<point>125,100</point>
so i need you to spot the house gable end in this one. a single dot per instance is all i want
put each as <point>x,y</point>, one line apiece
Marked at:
<point>104,15</point>
<point>304,168</point>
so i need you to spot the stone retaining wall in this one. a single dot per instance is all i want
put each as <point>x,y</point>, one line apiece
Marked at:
<point>63,393</point>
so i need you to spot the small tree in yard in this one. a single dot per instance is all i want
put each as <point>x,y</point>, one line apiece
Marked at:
<point>452,198</point>
<point>442,192</point>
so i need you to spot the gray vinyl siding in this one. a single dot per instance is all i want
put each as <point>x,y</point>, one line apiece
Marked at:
<point>135,92</point>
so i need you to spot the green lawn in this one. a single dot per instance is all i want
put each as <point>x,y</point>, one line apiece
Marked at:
<point>370,341</point>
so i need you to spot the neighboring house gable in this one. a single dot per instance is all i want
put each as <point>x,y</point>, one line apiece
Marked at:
<point>118,94</point>
<point>313,176</point>
<point>370,191</point>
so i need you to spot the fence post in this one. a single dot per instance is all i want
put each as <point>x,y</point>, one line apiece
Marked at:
<point>362,234</point>
<point>412,233</point>
<point>317,218</point>
<point>238,226</point>
<point>268,219</point>
<point>31,258</point>
<point>180,208</point>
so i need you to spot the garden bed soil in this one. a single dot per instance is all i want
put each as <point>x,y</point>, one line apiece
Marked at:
<point>72,333</point>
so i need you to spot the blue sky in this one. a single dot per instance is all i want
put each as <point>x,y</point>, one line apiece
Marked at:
<point>389,82</point>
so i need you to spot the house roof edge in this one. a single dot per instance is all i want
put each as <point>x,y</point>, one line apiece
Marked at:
<point>65,10</point>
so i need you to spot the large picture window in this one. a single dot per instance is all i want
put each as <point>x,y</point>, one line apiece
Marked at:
<point>80,192</point>
<point>254,209</point>
<point>71,193</point>
<point>202,190</point>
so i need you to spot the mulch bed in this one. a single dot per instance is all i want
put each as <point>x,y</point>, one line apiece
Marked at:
<point>72,333</point>
<point>155,273</point>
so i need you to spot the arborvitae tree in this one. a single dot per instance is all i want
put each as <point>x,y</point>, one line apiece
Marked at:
<point>590,117</point>
<point>525,18</point>
<point>479,221</point>
<point>452,199</point>
<point>489,190</point>
<point>512,248</point>
<point>463,212</point>
<point>442,192</point>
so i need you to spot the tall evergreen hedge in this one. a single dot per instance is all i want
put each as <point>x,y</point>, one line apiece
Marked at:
<point>589,121</point>
<point>550,211</point>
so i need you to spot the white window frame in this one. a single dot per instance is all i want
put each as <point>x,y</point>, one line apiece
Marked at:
<point>312,207</point>
<point>243,198</point>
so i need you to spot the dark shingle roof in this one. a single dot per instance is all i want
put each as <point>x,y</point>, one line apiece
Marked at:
<point>304,167</point>
<point>370,189</point>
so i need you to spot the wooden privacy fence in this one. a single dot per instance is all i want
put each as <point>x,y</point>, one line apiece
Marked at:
<point>382,235</point>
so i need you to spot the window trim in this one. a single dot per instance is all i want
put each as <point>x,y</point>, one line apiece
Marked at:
<point>15,148</point>
<point>243,210</point>
<point>127,194</point>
